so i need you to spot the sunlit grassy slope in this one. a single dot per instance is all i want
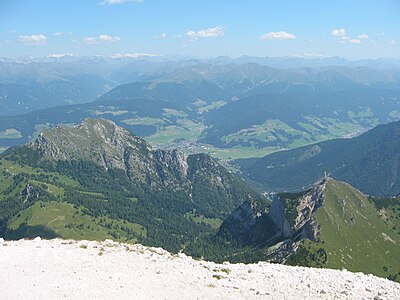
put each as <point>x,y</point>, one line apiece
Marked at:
<point>354,235</point>
<point>53,219</point>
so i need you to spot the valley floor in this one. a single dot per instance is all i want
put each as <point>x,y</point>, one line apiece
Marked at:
<point>54,269</point>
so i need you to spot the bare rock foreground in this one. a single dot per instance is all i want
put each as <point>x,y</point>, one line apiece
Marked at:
<point>63,269</point>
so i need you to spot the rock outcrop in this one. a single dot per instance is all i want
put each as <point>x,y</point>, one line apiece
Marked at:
<point>255,224</point>
<point>29,193</point>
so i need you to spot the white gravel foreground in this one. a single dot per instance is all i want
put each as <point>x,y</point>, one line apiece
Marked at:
<point>63,269</point>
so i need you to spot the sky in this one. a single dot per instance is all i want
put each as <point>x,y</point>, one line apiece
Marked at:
<point>354,29</point>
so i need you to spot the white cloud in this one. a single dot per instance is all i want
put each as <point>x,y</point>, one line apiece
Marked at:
<point>34,39</point>
<point>119,1</point>
<point>339,32</point>
<point>60,55</point>
<point>101,38</point>
<point>90,40</point>
<point>363,36</point>
<point>343,37</point>
<point>311,55</point>
<point>392,42</point>
<point>109,38</point>
<point>57,33</point>
<point>162,36</point>
<point>355,41</point>
<point>205,33</point>
<point>133,55</point>
<point>279,35</point>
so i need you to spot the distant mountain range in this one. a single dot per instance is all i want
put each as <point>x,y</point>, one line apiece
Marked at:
<point>248,108</point>
<point>36,83</point>
<point>295,61</point>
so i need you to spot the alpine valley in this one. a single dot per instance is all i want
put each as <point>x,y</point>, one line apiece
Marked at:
<point>229,108</point>
<point>96,181</point>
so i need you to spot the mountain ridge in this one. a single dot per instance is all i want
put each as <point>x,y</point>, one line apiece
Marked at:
<point>325,226</point>
<point>101,170</point>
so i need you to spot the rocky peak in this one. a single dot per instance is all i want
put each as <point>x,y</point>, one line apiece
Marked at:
<point>110,146</point>
<point>98,140</point>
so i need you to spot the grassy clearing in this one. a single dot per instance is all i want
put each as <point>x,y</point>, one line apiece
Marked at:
<point>168,112</point>
<point>109,112</point>
<point>54,183</point>
<point>68,222</point>
<point>51,188</point>
<point>99,195</point>
<point>212,106</point>
<point>214,223</point>
<point>241,152</point>
<point>134,199</point>
<point>314,130</point>
<point>10,133</point>
<point>184,129</point>
<point>199,103</point>
<point>267,132</point>
<point>13,168</point>
<point>395,115</point>
<point>2,149</point>
<point>144,121</point>
<point>276,132</point>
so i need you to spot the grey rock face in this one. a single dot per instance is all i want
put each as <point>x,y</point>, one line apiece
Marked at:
<point>252,225</point>
<point>305,223</point>
<point>29,193</point>
<point>277,215</point>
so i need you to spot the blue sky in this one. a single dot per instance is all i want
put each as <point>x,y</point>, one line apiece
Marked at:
<point>352,29</point>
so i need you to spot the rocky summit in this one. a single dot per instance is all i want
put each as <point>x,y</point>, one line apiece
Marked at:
<point>134,271</point>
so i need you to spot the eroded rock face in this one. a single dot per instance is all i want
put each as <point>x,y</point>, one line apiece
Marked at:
<point>172,167</point>
<point>249,224</point>
<point>29,193</point>
<point>277,215</point>
<point>305,223</point>
<point>255,225</point>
